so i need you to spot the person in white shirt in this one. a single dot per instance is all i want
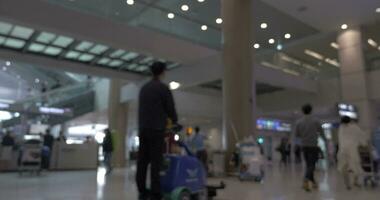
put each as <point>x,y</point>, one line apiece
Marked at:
<point>350,138</point>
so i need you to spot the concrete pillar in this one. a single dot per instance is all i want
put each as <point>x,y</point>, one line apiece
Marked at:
<point>353,76</point>
<point>117,121</point>
<point>238,80</point>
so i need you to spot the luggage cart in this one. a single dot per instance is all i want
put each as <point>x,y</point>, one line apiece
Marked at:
<point>30,158</point>
<point>251,162</point>
<point>369,166</point>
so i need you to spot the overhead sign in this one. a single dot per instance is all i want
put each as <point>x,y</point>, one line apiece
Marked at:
<point>273,125</point>
<point>347,110</point>
<point>52,110</point>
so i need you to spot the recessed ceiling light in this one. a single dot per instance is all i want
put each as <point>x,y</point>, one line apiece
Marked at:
<point>201,1</point>
<point>344,26</point>
<point>171,15</point>
<point>372,42</point>
<point>279,47</point>
<point>184,7</point>
<point>256,45</point>
<point>287,36</point>
<point>219,20</point>
<point>204,27</point>
<point>36,80</point>
<point>271,41</point>
<point>8,63</point>
<point>334,45</point>
<point>378,10</point>
<point>378,48</point>
<point>130,2</point>
<point>174,85</point>
<point>264,25</point>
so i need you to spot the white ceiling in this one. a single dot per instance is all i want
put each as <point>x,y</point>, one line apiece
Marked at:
<point>328,15</point>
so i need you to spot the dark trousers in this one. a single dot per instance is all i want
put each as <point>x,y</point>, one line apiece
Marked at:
<point>202,156</point>
<point>311,158</point>
<point>151,152</point>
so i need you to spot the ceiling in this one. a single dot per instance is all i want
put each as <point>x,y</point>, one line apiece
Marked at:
<point>261,88</point>
<point>152,14</point>
<point>43,43</point>
<point>328,15</point>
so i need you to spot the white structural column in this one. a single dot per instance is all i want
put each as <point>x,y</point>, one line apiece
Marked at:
<point>353,76</point>
<point>117,121</point>
<point>238,80</point>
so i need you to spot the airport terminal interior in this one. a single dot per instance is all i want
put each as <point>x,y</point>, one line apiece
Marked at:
<point>255,96</point>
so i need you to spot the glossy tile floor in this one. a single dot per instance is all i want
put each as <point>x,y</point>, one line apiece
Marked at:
<point>280,184</point>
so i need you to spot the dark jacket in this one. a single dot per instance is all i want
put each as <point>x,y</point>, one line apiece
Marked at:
<point>156,105</point>
<point>108,143</point>
<point>49,141</point>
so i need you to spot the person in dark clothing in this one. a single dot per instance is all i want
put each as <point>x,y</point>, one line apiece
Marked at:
<point>8,140</point>
<point>47,148</point>
<point>309,129</point>
<point>108,150</point>
<point>156,106</point>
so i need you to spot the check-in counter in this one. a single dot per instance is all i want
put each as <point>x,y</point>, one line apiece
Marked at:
<point>74,156</point>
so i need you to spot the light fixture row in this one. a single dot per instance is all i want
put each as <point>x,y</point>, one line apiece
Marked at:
<point>272,41</point>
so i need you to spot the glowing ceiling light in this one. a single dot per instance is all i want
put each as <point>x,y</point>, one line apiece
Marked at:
<point>279,47</point>
<point>185,7</point>
<point>174,85</point>
<point>333,62</point>
<point>8,63</point>
<point>256,45</point>
<point>204,28</point>
<point>130,2</point>
<point>378,10</point>
<point>219,20</point>
<point>314,54</point>
<point>271,41</point>
<point>334,45</point>
<point>287,36</point>
<point>201,1</point>
<point>372,42</point>
<point>263,25</point>
<point>344,26</point>
<point>171,15</point>
<point>36,80</point>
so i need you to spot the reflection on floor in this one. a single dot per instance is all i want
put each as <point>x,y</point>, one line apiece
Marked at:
<point>280,184</point>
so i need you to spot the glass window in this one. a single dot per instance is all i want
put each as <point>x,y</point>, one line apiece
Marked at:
<point>98,49</point>
<point>131,66</point>
<point>141,68</point>
<point>14,43</point>
<point>173,65</point>
<point>72,55</point>
<point>84,46</point>
<point>22,32</point>
<point>5,28</point>
<point>104,61</point>
<point>86,57</point>
<point>117,53</point>
<point>63,41</point>
<point>2,40</point>
<point>36,47</point>
<point>45,37</point>
<point>115,63</point>
<point>52,51</point>
<point>130,56</point>
<point>147,60</point>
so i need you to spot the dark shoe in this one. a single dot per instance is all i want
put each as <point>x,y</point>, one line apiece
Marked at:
<point>307,185</point>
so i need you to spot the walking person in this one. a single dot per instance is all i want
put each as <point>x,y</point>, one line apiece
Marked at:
<point>309,129</point>
<point>156,106</point>
<point>350,138</point>
<point>48,144</point>
<point>108,148</point>
<point>199,147</point>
